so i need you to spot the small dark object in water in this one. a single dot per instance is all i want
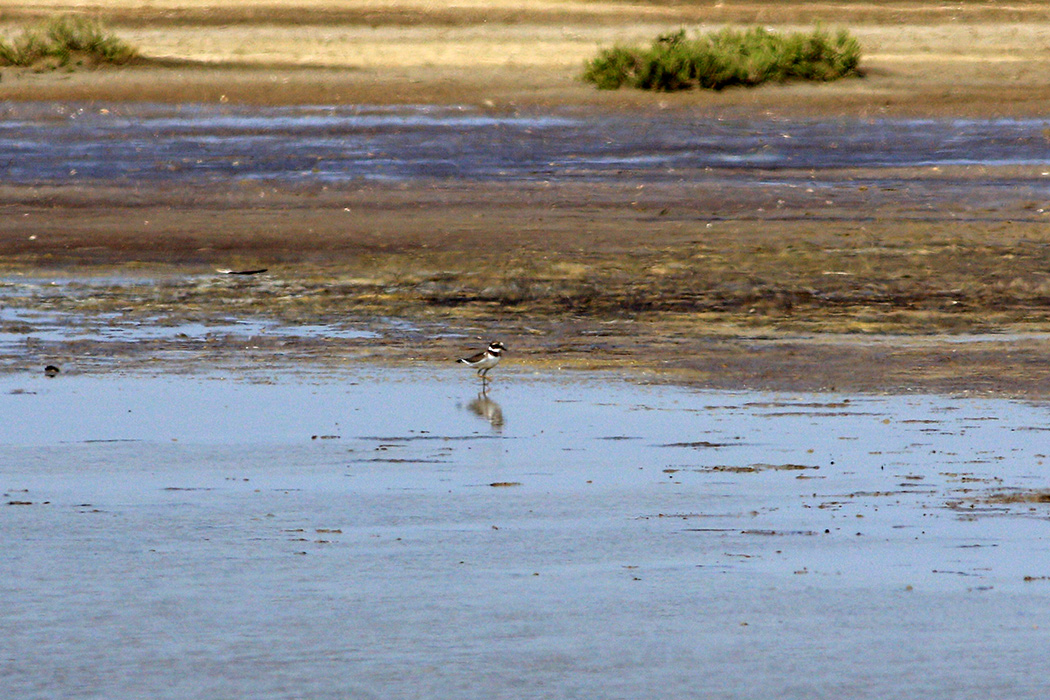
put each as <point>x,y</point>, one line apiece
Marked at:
<point>256,271</point>
<point>51,371</point>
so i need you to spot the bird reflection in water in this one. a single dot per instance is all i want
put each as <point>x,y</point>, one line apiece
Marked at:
<point>484,407</point>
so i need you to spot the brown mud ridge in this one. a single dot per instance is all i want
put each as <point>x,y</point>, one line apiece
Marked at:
<point>695,283</point>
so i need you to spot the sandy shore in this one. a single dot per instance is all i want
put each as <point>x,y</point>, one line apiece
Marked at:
<point>919,57</point>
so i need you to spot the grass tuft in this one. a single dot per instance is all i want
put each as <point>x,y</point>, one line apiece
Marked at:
<point>726,58</point>
<point>63,39</point>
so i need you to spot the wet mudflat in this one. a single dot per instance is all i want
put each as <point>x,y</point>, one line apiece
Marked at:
<point>393,532</point>
<point>735,252</point>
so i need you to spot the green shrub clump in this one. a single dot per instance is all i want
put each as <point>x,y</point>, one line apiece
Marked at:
<point>725,58</point>
<point>62,39</point>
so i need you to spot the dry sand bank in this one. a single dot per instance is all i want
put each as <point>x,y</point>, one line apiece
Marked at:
<point>977,58</point>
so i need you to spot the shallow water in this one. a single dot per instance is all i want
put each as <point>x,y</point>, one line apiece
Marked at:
<point>21,326</point>
<point>395,533</point>
<point>60,143</point>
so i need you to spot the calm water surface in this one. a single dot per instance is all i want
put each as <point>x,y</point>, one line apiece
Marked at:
<point>397,533</point>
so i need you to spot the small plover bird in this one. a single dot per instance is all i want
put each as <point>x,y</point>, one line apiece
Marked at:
<point>484,361</point>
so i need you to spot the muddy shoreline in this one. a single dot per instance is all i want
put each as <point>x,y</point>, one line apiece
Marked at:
<point>711,294</point>
<point>865,282</point>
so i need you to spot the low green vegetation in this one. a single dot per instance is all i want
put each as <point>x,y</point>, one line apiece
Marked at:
<point>64,40</point>
<point>726,58</point>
